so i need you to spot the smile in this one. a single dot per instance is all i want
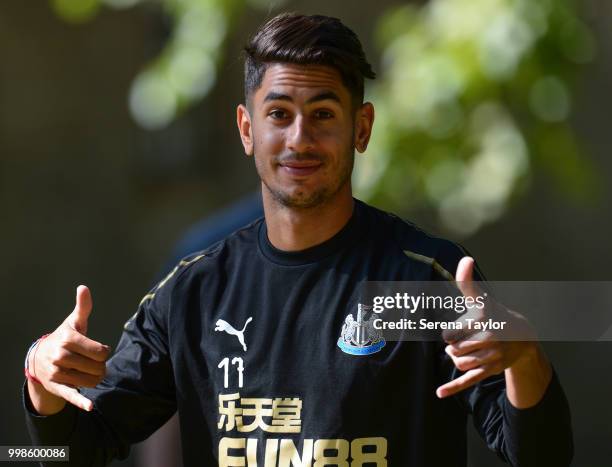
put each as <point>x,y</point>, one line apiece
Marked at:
<point>300,168</point>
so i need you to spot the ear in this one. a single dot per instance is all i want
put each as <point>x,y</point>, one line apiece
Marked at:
<point>364,120</point>
<point>243,119</point>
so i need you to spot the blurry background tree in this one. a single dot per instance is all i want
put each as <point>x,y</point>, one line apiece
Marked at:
<point>185,70</point>
<point>471,94</point>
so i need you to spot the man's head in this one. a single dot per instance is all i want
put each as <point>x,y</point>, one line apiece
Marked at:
<point>306,40</point>
<point>304,113</point>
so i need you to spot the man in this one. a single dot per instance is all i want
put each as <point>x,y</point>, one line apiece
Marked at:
<point>243,338</point>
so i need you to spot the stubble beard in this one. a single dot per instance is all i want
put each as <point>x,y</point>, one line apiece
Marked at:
<point>299,199</point>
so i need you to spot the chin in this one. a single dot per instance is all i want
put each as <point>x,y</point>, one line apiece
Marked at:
<point>300,198</point>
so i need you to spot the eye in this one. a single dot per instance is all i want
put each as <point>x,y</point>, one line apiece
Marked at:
<point>324,114</point>
<point>278,114</point>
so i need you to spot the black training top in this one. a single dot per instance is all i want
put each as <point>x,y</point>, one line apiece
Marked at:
<point>243,340</point>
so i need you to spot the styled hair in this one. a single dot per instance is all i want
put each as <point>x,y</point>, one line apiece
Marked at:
<point>307,40</point>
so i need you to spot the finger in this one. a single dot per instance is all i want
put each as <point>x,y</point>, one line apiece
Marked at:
<point>477,341</point>
<point>450,336</point>
<point>463,329</point>
<point>72,396</point>
<point>482,357</point>
<point>88,348</point>
<point>464,381</point>
<point>74,361</point>
<point>80,315</point>
<point>75,378</point>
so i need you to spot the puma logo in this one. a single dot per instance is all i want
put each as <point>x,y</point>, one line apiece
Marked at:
<point>222,325</point>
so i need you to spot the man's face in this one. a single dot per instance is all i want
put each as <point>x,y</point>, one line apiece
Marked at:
<point>301,128</point>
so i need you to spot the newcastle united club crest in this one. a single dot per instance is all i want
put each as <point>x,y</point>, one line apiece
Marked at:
<point>359,337</point>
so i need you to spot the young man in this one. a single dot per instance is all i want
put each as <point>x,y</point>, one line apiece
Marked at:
<point>243,338</point>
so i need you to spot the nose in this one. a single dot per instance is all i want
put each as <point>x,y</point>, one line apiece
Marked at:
<point>300,138</point>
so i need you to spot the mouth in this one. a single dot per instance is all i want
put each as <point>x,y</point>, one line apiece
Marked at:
<point>300,168</point>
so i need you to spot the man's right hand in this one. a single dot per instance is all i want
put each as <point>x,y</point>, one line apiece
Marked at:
<point>66,360</point>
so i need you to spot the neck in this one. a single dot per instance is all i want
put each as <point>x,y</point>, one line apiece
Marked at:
<point>295,229</point>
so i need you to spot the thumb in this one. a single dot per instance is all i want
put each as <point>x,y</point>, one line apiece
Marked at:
<point>82,310</point>
<point>465,276</point>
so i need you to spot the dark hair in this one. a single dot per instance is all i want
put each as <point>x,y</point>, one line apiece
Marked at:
<point>307,40</point>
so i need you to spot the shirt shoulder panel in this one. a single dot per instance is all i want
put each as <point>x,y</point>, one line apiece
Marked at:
<point>193,263</point>
<point>415,244</point>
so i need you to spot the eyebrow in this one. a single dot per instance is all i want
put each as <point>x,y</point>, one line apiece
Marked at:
<point>327,95</point>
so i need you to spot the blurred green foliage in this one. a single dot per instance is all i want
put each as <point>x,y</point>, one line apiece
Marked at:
<point>472,95</point>
<point>186,69</point>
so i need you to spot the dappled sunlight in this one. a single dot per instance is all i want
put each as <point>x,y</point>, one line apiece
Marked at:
<point>465,90</point>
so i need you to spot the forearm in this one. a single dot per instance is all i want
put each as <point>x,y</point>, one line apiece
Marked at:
<point>528,378</point>
<point>524,415</point>
<point>541,434</point>
<point>88,440</point>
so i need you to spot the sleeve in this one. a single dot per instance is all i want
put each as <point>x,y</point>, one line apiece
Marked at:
<point>536,436</point>
<point>135,398</point>
<point>539,435</point>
